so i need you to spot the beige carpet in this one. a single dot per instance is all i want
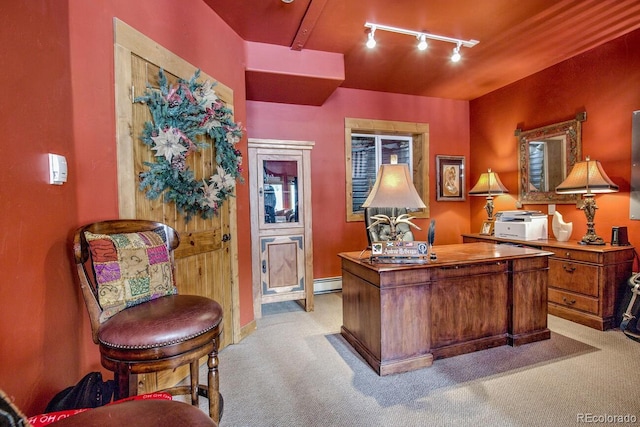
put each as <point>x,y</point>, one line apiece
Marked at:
<point>296,370</point>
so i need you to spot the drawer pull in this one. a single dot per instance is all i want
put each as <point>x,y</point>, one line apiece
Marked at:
<point>566,301</point>
<point>460,267</point>
<point>567,254</point>
<point>568,269</point>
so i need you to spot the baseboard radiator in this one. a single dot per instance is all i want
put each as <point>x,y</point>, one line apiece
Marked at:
<point>327,284</point>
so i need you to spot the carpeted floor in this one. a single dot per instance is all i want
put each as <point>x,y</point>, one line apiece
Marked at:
<point>297,370</point>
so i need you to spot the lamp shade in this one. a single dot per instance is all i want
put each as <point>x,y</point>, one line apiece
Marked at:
<point>489,183</point>
<point>585,178</point>
<point>394,189</point>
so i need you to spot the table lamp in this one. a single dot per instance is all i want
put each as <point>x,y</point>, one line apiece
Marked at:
<point>588,178</point>
<point>394,189</point>
<point>488,185</point>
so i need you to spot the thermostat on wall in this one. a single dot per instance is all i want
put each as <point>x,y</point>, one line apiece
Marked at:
<point>57,169</point>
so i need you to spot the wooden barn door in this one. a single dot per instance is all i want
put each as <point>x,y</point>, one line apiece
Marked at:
<point>205,259</point>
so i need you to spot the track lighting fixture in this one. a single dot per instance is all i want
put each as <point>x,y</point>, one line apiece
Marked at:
<point>371,41</point>
<point>422,45</point>
<point>455,57</point>
<point>421,36</point>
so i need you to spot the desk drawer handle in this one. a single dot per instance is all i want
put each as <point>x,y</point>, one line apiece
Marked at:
<point>566,301</point>
<point>459,267</point>
<point>568,269</point>
<point>567,254</point>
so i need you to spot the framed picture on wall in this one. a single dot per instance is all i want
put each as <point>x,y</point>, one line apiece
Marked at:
<point>450,178</point>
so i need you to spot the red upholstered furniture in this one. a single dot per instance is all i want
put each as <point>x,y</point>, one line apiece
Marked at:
<point>150,336</point>
<point>151,410</point>
<point>140,413</point>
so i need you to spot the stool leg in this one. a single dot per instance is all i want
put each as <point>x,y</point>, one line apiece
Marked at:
<point>194,382</point>
<point>126,384</point>
<point>213,383</point>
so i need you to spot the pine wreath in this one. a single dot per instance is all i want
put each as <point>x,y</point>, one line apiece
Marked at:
<point>181,114</point>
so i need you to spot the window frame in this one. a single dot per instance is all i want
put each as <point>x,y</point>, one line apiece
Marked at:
<point>419,132</point>
<point>369,171</point>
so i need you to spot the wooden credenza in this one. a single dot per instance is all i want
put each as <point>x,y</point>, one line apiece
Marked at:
<point>586,283</point>
<point>401,317</point>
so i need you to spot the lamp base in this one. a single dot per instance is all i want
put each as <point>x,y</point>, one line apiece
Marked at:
<point>592,239</point>
<point>589,207</point>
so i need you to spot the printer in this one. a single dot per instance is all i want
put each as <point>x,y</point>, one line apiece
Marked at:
<point>521,225</point>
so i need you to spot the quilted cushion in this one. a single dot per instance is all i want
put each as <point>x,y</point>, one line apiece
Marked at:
<point>130,268</point>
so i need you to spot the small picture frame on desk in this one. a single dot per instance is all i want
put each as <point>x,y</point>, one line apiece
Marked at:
<point>487,228</point>
<point>450,178</point>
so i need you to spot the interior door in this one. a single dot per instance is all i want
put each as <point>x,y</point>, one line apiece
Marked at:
<point>281,224</point>
<point>204,259</point>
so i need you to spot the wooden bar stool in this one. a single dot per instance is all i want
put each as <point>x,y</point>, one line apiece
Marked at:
<point>138,320</point>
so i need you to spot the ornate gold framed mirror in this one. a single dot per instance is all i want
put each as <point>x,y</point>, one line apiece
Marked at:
<point>545,158</point>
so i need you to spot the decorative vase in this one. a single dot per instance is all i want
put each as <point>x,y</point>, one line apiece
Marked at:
<point>561,230</point>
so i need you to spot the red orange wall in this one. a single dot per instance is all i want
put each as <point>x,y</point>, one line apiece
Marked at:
<point>332,234</point>
<point>58,75</point>
<point>40,312</point>
<point>605,83</point>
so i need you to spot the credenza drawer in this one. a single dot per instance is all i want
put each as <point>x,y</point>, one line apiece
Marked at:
<point>577,302</point>
<point>574,255</point>
<point>574,277</point>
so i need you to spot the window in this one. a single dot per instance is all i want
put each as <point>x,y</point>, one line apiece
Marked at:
<point>368,152</point>
<point>280,179</point>
<point>370,143</point>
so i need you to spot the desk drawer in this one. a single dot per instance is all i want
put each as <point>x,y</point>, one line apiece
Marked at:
<point>467,270</point>
<point>571,300</point>
<point>574,277</point>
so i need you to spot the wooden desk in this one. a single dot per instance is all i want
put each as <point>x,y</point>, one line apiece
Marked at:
<point>586,282</point>
<point>401,317</point>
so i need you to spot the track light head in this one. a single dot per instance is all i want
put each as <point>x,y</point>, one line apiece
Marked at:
<point>422,45</point>
<point>455,57</point>
<point>371,41</point>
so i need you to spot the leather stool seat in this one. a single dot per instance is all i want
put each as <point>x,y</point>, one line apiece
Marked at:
<point>140,413</point>
<point>161,328</point>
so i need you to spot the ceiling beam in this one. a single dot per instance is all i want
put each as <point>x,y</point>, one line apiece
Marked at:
<point>308,23</point>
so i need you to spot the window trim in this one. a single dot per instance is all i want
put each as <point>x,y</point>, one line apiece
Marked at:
<point>420,134</point>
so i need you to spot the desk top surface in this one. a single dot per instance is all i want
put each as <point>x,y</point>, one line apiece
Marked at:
<point>451,255</point>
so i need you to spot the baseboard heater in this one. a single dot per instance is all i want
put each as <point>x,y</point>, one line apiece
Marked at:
<point>327,284</point>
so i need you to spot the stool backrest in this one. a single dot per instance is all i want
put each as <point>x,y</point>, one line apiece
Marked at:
<point>85,266</point>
